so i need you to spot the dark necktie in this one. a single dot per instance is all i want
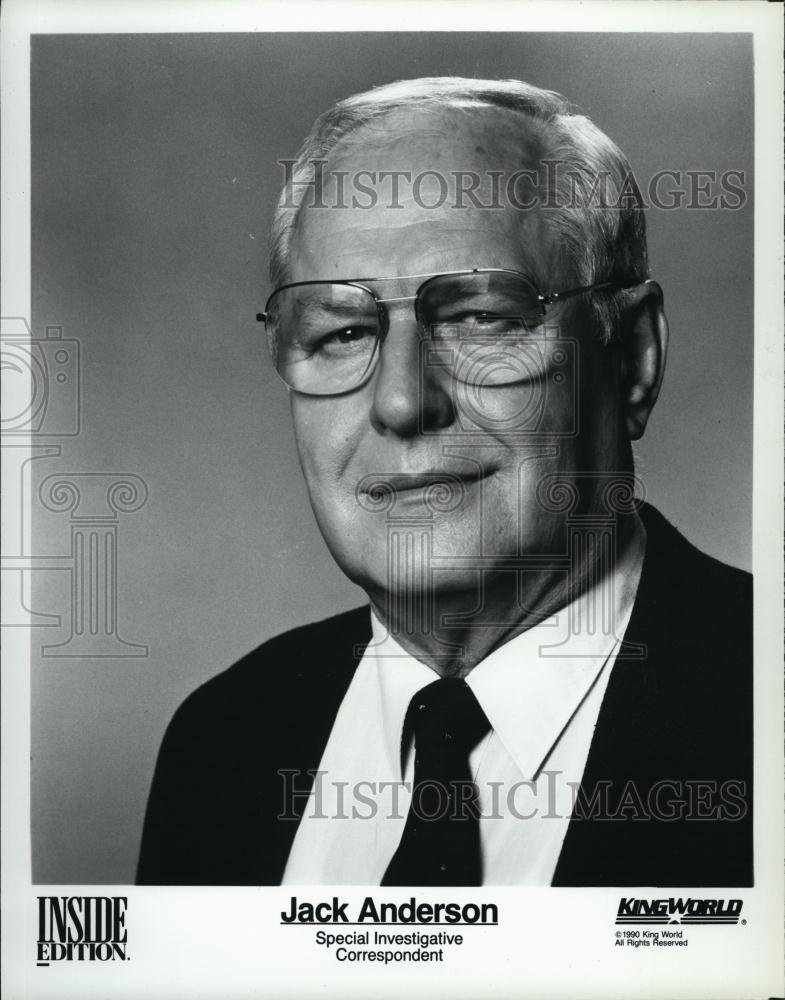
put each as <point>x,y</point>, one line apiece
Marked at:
<point>440,844</point>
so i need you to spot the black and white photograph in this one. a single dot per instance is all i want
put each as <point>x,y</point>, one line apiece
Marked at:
<point>393,438</point>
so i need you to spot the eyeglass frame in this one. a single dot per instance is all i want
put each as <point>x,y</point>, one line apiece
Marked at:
<point>544,301</point>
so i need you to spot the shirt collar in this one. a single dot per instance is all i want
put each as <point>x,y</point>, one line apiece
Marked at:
<point>531,687</point>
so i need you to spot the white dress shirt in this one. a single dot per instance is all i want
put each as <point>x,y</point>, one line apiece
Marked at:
<point>541,692</point>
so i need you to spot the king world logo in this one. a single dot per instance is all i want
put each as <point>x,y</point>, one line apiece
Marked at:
<point>678,911</point>
<point>81,928</point>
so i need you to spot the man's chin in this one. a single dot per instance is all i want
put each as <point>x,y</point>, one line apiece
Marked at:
<point>418,579</point>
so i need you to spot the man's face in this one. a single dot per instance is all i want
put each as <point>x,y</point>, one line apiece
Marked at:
<point>412,424</point>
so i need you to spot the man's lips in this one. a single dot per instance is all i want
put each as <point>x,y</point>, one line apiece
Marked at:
<point>440,490</point>
<point>404,482</point>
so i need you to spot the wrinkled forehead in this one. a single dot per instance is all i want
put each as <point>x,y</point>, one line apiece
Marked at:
<point>426,190</point>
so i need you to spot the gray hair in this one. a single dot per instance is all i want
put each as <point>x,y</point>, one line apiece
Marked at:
<point>599,241</point>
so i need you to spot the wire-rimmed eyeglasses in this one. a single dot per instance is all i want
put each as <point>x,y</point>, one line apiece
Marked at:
<point>326,337</point>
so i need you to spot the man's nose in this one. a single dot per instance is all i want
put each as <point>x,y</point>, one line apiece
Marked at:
<point>408,395</point>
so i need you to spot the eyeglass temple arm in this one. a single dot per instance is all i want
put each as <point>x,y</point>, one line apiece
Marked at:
<point>547,300</point>
<point>261,317</point>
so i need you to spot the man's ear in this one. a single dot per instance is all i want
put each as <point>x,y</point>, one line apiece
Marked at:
<point>643,347</point>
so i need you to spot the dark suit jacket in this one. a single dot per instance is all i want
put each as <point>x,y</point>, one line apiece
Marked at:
<point>682,714</point>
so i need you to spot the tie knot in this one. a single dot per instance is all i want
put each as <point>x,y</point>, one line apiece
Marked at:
<point>446,714</point>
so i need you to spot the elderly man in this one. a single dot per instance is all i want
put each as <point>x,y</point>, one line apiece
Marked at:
<point>551,685</point>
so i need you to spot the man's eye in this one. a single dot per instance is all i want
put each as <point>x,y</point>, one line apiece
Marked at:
<point>490,319</point>
<point>346,339</point>
<point>348,335</point>
<point>492,323</point>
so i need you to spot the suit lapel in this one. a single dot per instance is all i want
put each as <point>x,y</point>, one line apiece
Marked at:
<point>629,747</point>
<point>300,747</point>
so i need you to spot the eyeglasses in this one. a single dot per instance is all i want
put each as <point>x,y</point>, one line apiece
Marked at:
<point>326,337</point>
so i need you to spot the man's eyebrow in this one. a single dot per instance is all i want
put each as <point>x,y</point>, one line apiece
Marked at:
<point>462,288</point>
<point>326,304</point>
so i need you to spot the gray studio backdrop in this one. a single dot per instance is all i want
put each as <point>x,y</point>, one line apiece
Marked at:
<point>154,174</point>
